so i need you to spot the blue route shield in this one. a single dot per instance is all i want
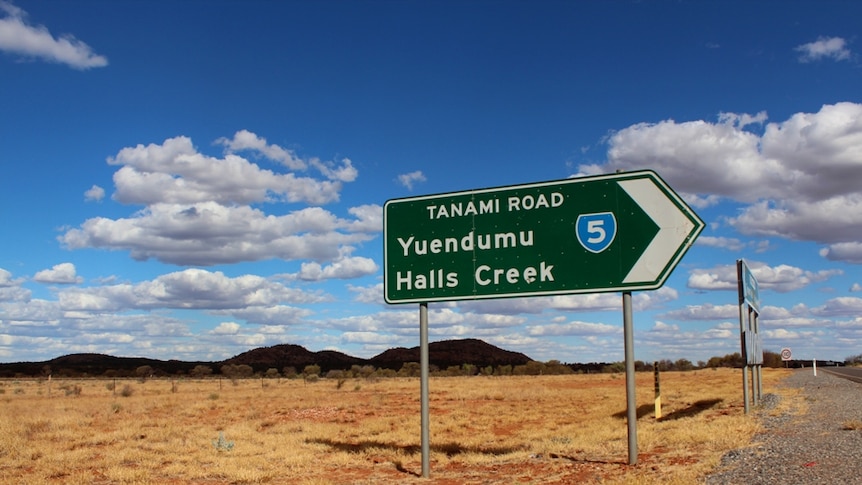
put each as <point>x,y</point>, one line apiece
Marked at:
<point>596,231</point>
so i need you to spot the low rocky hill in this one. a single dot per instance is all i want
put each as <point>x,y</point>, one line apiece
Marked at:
<point>451,353</point>
<point>441,354</point>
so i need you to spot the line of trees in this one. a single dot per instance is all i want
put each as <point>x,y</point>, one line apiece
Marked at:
<point>854,360</point>
<point>412,369</point>
<point>532,368</point>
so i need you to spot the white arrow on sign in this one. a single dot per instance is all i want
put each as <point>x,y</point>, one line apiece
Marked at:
<point>674,227</point>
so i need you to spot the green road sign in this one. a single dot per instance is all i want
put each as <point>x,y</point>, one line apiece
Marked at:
<point>625,231</point>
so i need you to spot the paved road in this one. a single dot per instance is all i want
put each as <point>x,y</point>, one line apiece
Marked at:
<point>852,373</point>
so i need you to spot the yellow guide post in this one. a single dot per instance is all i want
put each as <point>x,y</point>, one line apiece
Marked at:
<point>657,393</point>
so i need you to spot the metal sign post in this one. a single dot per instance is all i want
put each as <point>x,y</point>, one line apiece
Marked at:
<point>631,398</point>
<point>752,351</point>
<point>423,384</point>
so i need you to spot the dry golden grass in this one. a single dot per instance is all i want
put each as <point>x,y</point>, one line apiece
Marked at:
<point>551,429</point>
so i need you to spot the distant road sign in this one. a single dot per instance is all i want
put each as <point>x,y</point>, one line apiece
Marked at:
<point>749,291</point>
<point>786,354</point>
<point>625,231</point>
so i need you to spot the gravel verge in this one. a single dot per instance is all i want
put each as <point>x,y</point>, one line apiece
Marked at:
<point>816,446</point>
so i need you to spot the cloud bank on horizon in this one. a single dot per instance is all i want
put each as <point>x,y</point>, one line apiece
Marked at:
<point>199,249</point>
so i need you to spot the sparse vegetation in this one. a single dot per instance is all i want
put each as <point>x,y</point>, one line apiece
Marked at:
<point>853,425</point>
<point>515,429</point>
<point>221,444</point>
<point>71,389</point>
<point>201,371</point>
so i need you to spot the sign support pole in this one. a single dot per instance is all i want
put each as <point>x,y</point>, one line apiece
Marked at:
<point>742,333</point>
<point>755,368</point>
<point>743,324</point>
<point>759,367</point>
<point>631,399</point>
<point>423,364</point>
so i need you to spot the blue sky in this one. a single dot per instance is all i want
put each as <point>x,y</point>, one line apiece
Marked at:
<point>191,180</point>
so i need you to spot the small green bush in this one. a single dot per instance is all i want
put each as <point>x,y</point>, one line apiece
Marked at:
<point>221,444</point>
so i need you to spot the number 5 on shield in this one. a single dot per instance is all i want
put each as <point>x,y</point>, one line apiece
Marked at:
<point>596,231</point>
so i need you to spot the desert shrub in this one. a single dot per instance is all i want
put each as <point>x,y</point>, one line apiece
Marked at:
<point>366,371</point>
<point>272,373</point>
<point>221,444</point>
<point>311,373</point>
<point>410,369</point>
<point>853,360</point>
<point>127,391</point>
<point>144,372</point>
<point>852,425</point>
<point>380,373</point>
<point>237,371</point>
<point>201,371</point>
<point>71,389</point>
<point>335,374</point>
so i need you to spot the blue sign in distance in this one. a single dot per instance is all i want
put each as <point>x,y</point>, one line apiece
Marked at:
<point>750,291</point>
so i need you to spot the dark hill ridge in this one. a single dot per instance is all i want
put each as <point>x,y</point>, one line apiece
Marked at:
<point>450,353</point>
<point>77,365</point>
<point>288,355</point>
<point>441,354</point>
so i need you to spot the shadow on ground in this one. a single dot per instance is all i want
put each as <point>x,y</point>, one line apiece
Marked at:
<point>692,410</point>
<point>449,449</point>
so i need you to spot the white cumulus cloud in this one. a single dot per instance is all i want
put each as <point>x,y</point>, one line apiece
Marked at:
<point>781,278</point>
<point>408,179</point>
<point>834,48</point>
<point>798,179</point>
<point>198,209</point>
<point>187,289</point>
<point>18,37</point>
<point>345,268</point>
<point>94,193</point>
<point>63,273</point>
